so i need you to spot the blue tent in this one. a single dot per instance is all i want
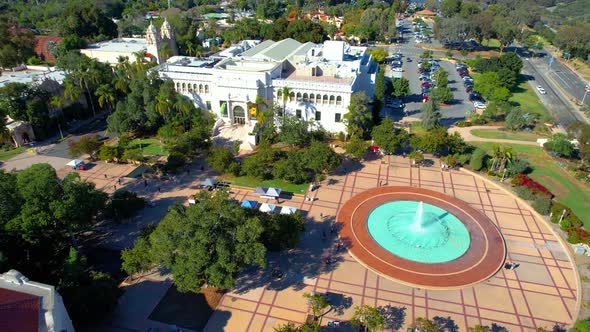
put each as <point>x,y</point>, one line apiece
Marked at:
<point>249,204</point>
<point>208,182</point>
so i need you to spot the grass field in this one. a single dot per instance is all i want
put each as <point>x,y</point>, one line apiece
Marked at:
<point>149,146</point>
<point>491,43</point>
<point>566,188</point>
<point>245,181</point>
<point>505,134</point>
<point>525,97</point>
<point>5,155</point>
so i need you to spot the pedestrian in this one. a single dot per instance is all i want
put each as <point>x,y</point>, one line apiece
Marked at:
<point>381,183</point>
<point>144,183</point>
<point>119,180</point>
<point>338,246</point>
<point>324,234</point>
<point>115,187</point>
<point>105,176</point>
<point>322,215</point>
<point>158,189</point>
<point>332,229</point>
<point>202,168</point>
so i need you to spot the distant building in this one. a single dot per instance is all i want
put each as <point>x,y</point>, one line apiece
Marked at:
<point>28,306</point>
<point>46,47</point>
<point>320,78</point>
<point>157,46</point>
<point>426,14</point>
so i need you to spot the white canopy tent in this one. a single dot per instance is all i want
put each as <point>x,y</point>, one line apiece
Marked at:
<point>75,163</point>
<point>268,208</point>
<point>288,210</point>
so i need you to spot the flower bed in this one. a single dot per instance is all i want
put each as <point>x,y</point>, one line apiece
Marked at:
<point>578,235</point>
<point>522,180</point>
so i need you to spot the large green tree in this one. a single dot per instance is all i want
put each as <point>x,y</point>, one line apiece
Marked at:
<point>358,119</point>
<point>400,87</point>
<point>208,243</point>
<point>369,318</point>
<point>430,115</point>
<point>388,138</point>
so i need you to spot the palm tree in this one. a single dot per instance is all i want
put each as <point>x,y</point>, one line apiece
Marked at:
<point>508,155</point>
<point>139,59</point>
<point>163,105</point>
<point>184,106</point>
<point>496,155</point>
<point>165,52</point>
<point>285,91</point>
<point>106,96</point>
<point>57,102</point>
<point>71,91</point>
<point>190,48</point>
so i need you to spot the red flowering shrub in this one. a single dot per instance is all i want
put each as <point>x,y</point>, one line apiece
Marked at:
<point>537,188</point>
<point>578,235</point>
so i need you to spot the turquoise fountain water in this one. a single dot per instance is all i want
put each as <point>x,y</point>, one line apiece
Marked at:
<point>418,231</point>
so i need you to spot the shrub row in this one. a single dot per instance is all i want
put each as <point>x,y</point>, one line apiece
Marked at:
<point>522,180</point>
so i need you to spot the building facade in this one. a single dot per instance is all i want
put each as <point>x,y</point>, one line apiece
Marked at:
<point>318,80</point>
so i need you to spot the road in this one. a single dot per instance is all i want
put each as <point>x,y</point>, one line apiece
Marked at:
<point>571,82</point>
<point>556,101</point>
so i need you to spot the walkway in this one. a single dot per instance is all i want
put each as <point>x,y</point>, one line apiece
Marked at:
<point>465,132</point>
<point>541,292</point>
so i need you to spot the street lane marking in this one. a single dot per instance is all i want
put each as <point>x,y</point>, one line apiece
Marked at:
<point>564,81</point>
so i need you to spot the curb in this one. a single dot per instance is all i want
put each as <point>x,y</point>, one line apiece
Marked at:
<point>561,240</point>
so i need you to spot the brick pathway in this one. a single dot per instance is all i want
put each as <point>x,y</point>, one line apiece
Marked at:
<point>541,292</point>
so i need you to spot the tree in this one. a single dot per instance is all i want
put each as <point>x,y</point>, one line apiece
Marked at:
<point>400,87</point>
<point>516,119</point>
<point>432,141</point>
<point>294,131</point>
<point>85,19</point>
<point>320,158</point>
<point>478,159</point>
<point>369,318</point>
<point>356,148</point>
<point>450,7</point>
<point>506,30</point>
<point>426,325</point>
<point>582,325</point>
<point>125,204</point>
<point>138,258</point>
<point>317,303</point>
<point>379,94</point>
<point>10,199</point>
<point>260,164</point>
<point>416,157</point>
<point>286,92</point>
<point>222,160</point>
<point>293,168</point>
<point>479,328</point>
<point>442,95</point>
<point>306,31</point>
<point>430,115</point>
<point>106,96</point>
<point>281,231</point>
<point>561,145</point>
<point>358,119</point>
<point>16,45</point>
<point>379,54</point>
<point>88,144</point>
<point>210,242</point>
<point>388,138</point>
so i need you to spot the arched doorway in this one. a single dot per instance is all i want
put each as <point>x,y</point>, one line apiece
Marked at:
<point>239,115</point>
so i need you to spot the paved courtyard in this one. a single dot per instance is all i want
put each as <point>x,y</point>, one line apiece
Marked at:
<point>541,292</point>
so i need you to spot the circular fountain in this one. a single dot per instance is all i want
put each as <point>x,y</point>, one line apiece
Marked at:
<point>418,232</point>
<point>421,238</point>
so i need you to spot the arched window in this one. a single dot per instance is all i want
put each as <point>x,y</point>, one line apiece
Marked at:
<point>332,99</point>
<point>177,87</point>
<point>189,87</point>
<point>292,96</point>
<point>305,97</point>
<point>325,99</point>
<point>318,99</point>
<point>183,87</point>
<point>338,100</point>
<point>279,95</point>
<point>206,88</point>
<point>298,96</point>
<point>194,87</point>
<point>312,98</point>
<point>200,88</point>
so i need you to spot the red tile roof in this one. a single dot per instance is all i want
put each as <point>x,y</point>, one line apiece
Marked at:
<point>19,311</point>
<point>41,47</point>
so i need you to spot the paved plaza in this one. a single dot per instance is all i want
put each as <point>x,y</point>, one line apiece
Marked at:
<point>541,292</point>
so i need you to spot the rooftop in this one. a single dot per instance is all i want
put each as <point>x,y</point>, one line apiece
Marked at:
<point>28,77</point>
<point>121,45</point>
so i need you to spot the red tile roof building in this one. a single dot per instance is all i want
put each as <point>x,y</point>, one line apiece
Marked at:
<point>43,45</point>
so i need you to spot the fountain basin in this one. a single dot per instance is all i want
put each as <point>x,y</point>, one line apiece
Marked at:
<point>418,232</point>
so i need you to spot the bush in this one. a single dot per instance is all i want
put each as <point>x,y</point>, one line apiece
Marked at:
<point>108,153</point>
<point>519,166</point>
<point>221,160</point>
<point>542,205</point>
<point>125,204</point>
<point>477,159</point>
<point>133,155</point>
<point>463,158</point>
<point>524,193</point>
<point>577,235</point>
<point>535,187</point>
<point>175,161</point>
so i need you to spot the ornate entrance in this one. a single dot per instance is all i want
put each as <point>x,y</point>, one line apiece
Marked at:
<point>239,115</point>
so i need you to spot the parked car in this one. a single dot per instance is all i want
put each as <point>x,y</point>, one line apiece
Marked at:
<point>396,103</point>
<point>469,88</point>
<point>459,65</point>
<point>426,83</point>
<point>479,105</point>
<point>541,90</point>
<point>397,69</point>
<point>474,96</point>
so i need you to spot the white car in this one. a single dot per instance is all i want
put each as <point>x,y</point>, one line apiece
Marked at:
<point>479,105</point>
<point>397,69</point>
<point>541,90</point>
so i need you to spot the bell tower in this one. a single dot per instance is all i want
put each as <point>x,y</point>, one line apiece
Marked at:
<point>168,37</point>
<point>153,42</point>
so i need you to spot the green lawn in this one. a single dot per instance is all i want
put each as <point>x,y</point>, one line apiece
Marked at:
<point>547,171</point>
<point>525,97</point>
<point>149,146</point>
<point>491,43</point>
<point>5,155</point>
<point>416,127</point>
<point>245,181</point>
<point>505,134</point>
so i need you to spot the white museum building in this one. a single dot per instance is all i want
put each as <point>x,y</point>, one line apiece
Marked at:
<point>320,79</point>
